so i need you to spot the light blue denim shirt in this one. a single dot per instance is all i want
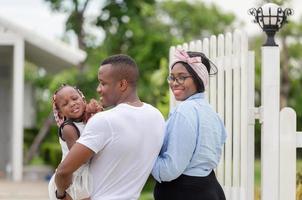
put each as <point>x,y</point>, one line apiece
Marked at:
<point>193,142</point>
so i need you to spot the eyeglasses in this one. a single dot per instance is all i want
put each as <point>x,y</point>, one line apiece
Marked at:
<point>180,79</point>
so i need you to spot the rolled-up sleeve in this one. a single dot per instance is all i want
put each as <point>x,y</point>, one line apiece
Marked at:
<point>177,150</point>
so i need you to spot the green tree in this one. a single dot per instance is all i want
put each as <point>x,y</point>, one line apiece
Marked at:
<point>75,9</point>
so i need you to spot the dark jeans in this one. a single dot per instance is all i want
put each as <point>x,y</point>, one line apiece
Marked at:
<point>190,188</point>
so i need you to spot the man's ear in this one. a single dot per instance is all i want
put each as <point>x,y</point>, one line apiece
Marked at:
<point>123,85</point>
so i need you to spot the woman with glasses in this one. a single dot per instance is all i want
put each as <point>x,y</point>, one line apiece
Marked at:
<point>194,138</point>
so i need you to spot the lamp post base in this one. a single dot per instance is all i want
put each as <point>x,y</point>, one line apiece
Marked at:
<point>270,40</point>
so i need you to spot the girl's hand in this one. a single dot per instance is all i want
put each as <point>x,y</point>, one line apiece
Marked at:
<point>91,108</point>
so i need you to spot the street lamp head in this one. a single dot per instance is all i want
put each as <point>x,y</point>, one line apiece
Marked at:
<point>270,18</point>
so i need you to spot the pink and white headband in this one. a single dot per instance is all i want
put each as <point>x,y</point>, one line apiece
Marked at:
<point>194,62</point>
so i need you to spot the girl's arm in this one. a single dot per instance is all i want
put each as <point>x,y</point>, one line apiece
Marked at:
<point>69,135</point>
<point>91,108</point>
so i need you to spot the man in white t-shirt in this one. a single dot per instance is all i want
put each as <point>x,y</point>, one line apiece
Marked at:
<point>123,142</point>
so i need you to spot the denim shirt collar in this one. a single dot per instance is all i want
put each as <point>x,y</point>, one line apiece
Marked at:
<point>200,95</point>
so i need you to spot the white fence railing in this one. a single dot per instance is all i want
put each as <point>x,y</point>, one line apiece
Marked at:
<point>231,93</point>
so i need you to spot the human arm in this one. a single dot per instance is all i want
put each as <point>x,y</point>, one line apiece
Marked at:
<point>178,148</point>
<point>77,156</point>
<point>69,135</point>
<point>96,135</point>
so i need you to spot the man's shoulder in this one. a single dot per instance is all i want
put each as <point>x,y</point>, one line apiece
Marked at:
<point>152,109</point>
<point>96,118</point>
<point>149,106</point>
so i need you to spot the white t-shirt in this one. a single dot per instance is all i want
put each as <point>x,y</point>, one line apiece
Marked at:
<point>126,140</point>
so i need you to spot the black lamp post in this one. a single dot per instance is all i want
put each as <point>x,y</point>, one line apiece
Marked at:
<point>270,18</point>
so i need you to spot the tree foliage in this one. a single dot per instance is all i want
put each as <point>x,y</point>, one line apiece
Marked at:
<point>76,10</point>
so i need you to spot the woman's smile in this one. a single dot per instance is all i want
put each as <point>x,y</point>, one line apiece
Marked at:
<point>177,92</point>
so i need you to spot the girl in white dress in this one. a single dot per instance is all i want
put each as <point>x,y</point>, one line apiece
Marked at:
<point>71,114</point>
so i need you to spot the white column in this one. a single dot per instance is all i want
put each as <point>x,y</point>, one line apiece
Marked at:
<point>270,97</point>
<point>17,115</point>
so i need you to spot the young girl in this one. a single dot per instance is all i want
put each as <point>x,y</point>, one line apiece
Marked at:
<point>71,113</point>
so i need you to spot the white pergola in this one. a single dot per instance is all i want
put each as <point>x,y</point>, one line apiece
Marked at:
<point>18,44</point>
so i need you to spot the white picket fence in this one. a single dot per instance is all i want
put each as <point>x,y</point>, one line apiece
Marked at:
<point>231,93</point>
<point>290,140</point>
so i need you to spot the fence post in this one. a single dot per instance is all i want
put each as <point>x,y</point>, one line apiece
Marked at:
<point>228,115</point>
<point>236,115</point>
<point>220,99</point>
<point>288,154</point>
<point>251,125</point>
<point>270,98</point>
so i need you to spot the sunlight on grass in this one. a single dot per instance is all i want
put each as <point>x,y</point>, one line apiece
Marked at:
<point>299,180</point>
<point>257,175</point>
<point>146,196</point>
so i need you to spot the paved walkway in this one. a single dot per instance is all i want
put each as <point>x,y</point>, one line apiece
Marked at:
<point>29,190</point>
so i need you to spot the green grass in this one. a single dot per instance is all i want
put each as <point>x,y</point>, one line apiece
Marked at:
<point>299,165</point>
<point>37,161</point>
<point>257,179</point>
<point>147,193</point>
<point>146,196</point>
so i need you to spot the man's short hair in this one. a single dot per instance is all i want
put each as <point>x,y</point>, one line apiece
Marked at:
<point>124,67</point>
